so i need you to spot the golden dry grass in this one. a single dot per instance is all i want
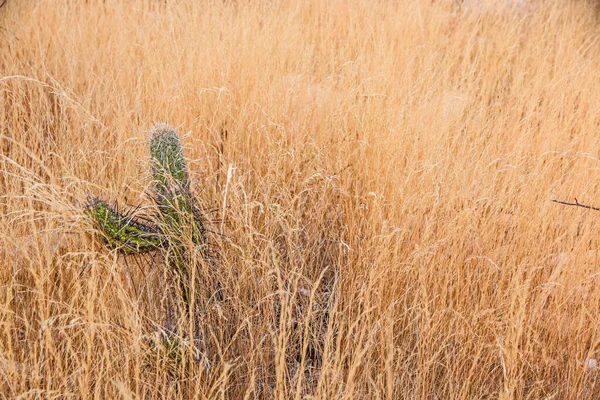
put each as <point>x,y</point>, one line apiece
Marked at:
<point>381,172</point>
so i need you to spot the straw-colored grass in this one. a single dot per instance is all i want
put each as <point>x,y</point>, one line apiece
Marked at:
<point>377,177</point>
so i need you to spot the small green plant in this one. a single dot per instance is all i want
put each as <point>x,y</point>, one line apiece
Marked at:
<point>172,349</point>
<point>175,228</point>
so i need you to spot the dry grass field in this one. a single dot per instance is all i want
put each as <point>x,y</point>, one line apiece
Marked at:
<point>376,175</point>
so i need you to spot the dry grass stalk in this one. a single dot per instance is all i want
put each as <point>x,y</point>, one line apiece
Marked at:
<point>387,229</point>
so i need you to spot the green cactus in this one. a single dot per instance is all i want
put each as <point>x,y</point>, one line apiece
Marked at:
<point>177,208</point>
<point>178,218</point>
<point>176,229</point>
<point>174,350</point>
<point>122,232</point>
<point>169,168</point>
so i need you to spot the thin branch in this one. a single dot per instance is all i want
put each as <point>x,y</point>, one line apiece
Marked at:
<point>578,204</point>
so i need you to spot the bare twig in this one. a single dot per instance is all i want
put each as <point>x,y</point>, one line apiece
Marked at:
<point>578,204</point>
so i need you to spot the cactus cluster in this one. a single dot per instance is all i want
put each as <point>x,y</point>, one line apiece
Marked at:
<point>177,225</point>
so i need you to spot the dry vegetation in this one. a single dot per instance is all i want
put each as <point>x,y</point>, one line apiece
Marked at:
<point>377,175</point>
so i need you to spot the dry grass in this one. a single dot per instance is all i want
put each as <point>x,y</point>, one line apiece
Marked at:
<point>381,173</point>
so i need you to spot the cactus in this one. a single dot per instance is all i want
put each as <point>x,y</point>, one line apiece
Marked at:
<point>178,217</point>
<point>169,168</point>
<point>171,184</point>
<point>179,353</point>
<point>122,232</point>
<point>175,229</point>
